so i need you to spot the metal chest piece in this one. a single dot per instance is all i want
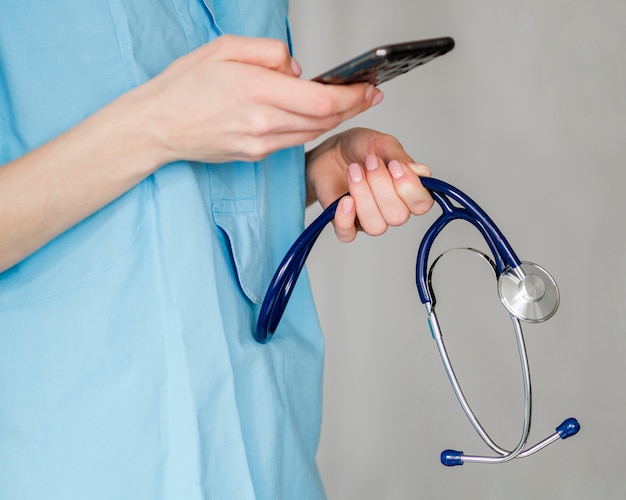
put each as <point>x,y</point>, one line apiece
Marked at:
<point>533,298</point>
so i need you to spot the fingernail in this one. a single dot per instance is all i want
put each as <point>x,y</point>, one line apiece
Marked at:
<point>295,67</point>
<point>378,98</point>
<point>355,172</point>
<point>369,92</point>
<point>395,169</point>
<point>347,205</point>
<point>371,162</point>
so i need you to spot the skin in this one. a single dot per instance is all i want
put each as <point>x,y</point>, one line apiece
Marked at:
<point>383,181</point>
<point>232,99</point>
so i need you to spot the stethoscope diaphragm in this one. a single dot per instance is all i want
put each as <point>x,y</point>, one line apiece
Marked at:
<point>531,295</point>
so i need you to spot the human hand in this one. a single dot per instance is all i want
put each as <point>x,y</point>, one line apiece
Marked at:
<point>383,181</point>
<point>239,98</point>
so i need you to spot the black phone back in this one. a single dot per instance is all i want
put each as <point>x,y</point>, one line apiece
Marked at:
<point>383,63</point>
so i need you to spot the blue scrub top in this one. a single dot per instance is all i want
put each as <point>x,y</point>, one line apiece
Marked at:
<point>128,368</point>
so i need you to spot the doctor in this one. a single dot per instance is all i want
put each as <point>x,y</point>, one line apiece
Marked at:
<point>151,178</point>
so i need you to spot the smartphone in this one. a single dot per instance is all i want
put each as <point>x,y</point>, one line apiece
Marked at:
<point>383,63</point>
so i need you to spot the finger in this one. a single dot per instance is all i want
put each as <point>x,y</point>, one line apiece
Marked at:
<point>392,207</point>
<point>368,214</point>
<point>408,186</point>
<point>345,220</point>
<point>330,104</point>
<point>254,147</point>
<point>265,52</point>
<point>419,169</point>
<point>388,148</point>
<point>273,110</point>
<point>265,129</point>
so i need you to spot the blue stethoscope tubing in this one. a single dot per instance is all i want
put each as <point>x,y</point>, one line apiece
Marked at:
<point>470,212</point>
<point>285,278</point>
<point>507,266</point>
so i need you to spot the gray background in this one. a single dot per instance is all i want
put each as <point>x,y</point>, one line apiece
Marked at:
<point>526,115</point>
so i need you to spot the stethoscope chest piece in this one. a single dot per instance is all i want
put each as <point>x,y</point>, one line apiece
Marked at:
<point>531,295</point>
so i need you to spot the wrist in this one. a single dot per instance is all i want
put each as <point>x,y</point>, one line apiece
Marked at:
<point>322,165</point>
<point>131,129</point>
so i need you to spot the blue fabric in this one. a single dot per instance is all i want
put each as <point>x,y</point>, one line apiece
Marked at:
<point>128,369</point>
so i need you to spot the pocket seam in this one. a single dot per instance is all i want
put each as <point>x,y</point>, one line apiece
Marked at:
<point>147,189</point>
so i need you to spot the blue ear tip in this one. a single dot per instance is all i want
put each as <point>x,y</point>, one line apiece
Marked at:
<point>450,458</point>
<point>568,428</point>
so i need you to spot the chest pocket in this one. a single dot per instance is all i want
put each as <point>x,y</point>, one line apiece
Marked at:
<point>234,208</point>
<point>233,187</point>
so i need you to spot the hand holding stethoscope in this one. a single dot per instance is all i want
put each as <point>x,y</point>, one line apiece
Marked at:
<point>526,290</point>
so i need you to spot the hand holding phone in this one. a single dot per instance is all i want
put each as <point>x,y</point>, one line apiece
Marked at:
<point>383,63</point>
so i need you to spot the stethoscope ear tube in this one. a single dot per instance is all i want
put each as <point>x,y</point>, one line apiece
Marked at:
<point>448,197</point>
<point>516,294</point>
<point>284,280</point>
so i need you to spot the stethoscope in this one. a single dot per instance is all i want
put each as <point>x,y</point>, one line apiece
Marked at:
<point>526,290</point>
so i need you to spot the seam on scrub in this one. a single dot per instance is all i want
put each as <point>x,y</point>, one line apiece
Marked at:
<point>246,205</point>
<point>132,82</point>
<point>211,15</point>
<point>182,24</point>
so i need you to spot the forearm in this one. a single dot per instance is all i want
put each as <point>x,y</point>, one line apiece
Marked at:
<point>57,185</point>
<point>231,99</point>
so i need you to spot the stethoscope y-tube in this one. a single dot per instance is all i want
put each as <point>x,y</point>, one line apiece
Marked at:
<point>526,290</point>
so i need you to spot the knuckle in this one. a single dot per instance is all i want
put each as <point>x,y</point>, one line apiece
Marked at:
<point>330,123</point>
<point>224,42</point>
<point>375,228</point>
<point>422,206</point>
<point>277,48</point>
<point>257,124</point>
<point>325,106</point>
<point>346,237</point>
<point>388,142</point>
<point>255,150</point>
<point>345,233</point>
<point>398,218</point>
